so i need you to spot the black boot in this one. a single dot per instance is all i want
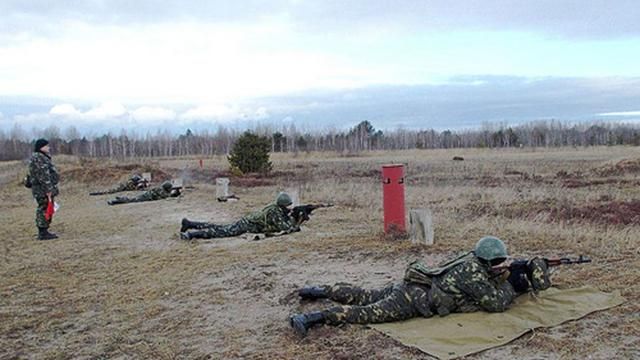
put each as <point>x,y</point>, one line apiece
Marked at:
<point>302,322</point>
<point>44,234</point>
<point>187,224</point>
<point>189,235</point>
<point>117,200</point>
<point>313,292</point>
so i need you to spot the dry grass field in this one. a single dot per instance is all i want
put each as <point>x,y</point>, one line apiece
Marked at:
<point>120,284</point>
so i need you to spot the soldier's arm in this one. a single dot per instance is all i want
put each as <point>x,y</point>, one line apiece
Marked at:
<point>278,221</point>
<point>487,294</point>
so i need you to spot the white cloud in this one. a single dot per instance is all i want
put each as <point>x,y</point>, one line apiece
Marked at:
<point>261,113</point>
<point>64,110</point>
<point>106,110</point>
<point>218,112</point>
<point>171,63</point>
<point>224,113</point>
<point>149,114</point>
<point>621,113</point>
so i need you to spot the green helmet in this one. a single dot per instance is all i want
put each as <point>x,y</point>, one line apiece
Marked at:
<point>167,185</point>
<point>283,199</point>
<point>490,248</point>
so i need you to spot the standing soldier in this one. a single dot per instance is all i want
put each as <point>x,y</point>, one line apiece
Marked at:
<point>43,177</point>
<point>163,191</point>
<point>136,182</point>
<point>465,284</point>
<point>272,219</point>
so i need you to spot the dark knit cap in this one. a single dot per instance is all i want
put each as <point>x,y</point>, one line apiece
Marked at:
<point>40,143</point>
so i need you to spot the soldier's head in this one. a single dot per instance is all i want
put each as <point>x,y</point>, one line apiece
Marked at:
<point>136,178</point>
<point>167,186</point>
<point>491,250</point>
<point>41,145</point>
<point>284,200</point>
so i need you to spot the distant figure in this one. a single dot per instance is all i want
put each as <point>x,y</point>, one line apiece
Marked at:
<point>163,191</point>
<point>458,158</point>
<point>274,218</point>
<point>136,182</point>
<point>43,179</point>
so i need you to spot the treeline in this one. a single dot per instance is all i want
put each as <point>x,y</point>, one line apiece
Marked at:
<point>16,144</point>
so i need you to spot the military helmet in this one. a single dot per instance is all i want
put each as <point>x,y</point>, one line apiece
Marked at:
<point>136,178</point>
<point>167,185</point>
<point>283,199</point>
<point>491,248</point>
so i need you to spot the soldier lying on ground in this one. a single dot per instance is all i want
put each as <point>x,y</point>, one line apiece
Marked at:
<point>136,182</point>
<point>465,284</point>
<point>272,219</point>
<point>163,191</point>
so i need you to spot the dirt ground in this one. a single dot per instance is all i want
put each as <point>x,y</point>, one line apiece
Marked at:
<point>120,284</point>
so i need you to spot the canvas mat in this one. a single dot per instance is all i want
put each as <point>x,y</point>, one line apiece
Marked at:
<point>457,335</point>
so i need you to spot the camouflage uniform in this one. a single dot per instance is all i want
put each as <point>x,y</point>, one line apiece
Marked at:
<point>44,179</point>
<point>156,193</point>
<point>465,287</point>
<point>130,185</point>
<point>272,219</point>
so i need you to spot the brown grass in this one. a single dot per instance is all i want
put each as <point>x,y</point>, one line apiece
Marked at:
<point>118,283</point>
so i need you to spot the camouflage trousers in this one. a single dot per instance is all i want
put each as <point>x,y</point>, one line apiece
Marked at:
<point>139,198</point>
<point>234,229</point>
<point>41,221</point>
<point>393,303</point>
<point>120,188</point>
<point>123,200</point>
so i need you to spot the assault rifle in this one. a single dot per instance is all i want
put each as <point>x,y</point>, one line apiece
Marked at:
<point>521,264</point>
<point>301,213</point>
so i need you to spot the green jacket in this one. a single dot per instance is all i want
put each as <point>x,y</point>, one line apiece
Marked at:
<point>44,175</point>
<point>155,193</point>
<point>272,219</point>
<point>464,284</point>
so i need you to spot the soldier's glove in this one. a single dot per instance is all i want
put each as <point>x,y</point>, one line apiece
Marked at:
<point>538,274</point>
<point>518,279</point>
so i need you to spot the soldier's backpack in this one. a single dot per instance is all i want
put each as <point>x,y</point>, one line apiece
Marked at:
<point>419,273</point>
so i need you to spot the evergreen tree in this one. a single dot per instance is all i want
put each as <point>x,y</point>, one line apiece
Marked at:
<point>250,153</point>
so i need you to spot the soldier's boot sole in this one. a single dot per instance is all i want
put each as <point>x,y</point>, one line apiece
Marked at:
<point>299,324</point>
<point>184,226</point>
<point>313,293</point>
<point>48,236</point>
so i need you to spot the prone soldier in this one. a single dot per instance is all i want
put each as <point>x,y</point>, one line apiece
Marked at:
<point>163,191</point>
<point>272,219</point>
<point>136,182</point>
<point>465,284</point>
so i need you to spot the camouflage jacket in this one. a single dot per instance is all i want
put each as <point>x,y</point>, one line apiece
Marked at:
<point>43,174</point>
<point>468,286</point>
<point>128,186</point>
<point>272,219</point>
<point>155,193</point>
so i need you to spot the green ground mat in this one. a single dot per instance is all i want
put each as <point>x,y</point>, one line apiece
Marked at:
<point>463,334</point>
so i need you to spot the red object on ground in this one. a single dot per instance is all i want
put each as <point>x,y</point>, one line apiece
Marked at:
<point>201,165</point>
<point>48,214</point>
<point>393,198</point>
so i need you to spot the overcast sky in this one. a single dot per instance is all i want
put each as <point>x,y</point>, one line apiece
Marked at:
<point>104,64</point>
